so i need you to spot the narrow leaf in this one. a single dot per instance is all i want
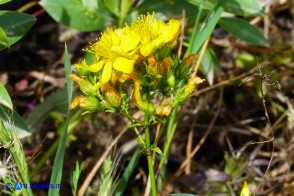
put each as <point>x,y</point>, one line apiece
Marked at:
<point>59,157</point>
<point>156,149</point>
<point>243,30</point>
<point>123,182</point>
<point>207,27</point>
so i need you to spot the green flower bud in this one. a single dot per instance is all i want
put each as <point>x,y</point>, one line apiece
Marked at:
<point>112,97</point>
<point>184,92</point>
<point>90,103</point>
<point>170,79</point>
<point>146,107</point>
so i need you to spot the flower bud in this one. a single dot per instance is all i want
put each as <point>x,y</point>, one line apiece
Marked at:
<point>171,79</point>
<point>89,103</point>
<point>164,110</point>
<point>146,107</point>
<point>189,60</point>
<point>112,97</point>
<point>81,69</point>
<point>85,86</point>
<point>187,90</point>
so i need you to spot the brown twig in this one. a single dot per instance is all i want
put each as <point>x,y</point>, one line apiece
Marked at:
<point>226,82</point>
<point>189,148</point>
<point>27,6</point>
<point>264,77</point>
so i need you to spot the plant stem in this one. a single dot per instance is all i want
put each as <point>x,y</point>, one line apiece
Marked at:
<point>149,158</point>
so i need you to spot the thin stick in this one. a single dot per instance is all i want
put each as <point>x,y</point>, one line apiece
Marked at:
<point>225,82</point>
<point>27,6</point>
<point>189,148</point>
<point>200,57</point>
<point>271,131</point>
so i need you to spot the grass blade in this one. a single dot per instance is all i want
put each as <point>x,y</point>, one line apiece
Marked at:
<point>59,157</point>
<point>208,26</point>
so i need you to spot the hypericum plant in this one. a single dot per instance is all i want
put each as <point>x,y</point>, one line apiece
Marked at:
<point>134,67</point>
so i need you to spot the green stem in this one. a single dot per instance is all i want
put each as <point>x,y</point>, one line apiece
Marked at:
<point>149,158</point>
<point>172,125</point>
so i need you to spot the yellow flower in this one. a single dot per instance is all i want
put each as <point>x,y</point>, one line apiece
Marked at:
<point>153,33</point>
<point>116,49</point>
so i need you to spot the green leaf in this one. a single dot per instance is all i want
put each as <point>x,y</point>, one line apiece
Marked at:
<point>75,176</point>
<point>56,102</point>
<point>238,7</point>
<point>243,30</point>
<point>3,39</point>
<point>207,27</point>
<point>113,6</point>
<point>4,97</point>
<point>12,120</point>
<point>156,149</point>
<point>59,157</point>
<point>208,64</point>
<point>15,25</point>
<point>84,15</point>
<point>123,182</point>
<point>4,1</point>
<point>168,8</point>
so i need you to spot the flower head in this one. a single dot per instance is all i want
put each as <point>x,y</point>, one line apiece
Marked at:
<point>153,33</point>
<point>116,49</point>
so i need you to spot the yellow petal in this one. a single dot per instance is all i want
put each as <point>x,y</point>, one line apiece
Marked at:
<point>96,67</point>
<point>171,31</point>
<point>106,74</point>
<point>129,42</point>
<point>147,49</point>
<point>124,65</point>
<point>245,190</point>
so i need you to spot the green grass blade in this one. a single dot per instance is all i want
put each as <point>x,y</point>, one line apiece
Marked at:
<point>123,182</point>
<point>59,157</point>
<point>208,26</point>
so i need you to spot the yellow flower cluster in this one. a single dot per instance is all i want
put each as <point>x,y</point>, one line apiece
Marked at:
<point>120,49</point>
<point>140,55</point>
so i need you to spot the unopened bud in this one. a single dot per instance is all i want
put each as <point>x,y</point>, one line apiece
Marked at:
<point>81,68</point>
<point>89,103</point>
<point>187,90</point>
<point>190,60</point>
<point>245,190</point>
<point>85,86</point>
<point>146,107</point>
<point>112,97</point>
<point>164,110</point>
<point>171,79</point>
